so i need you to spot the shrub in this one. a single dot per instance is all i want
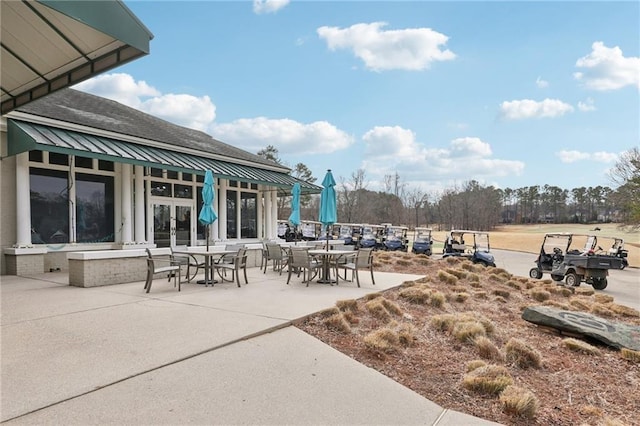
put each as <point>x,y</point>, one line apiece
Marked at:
<point>372,296</point>
<point>497,278</point>
<point>467,331</point>
<point>406,334</point>
<point>580,304</point>
<point>487,350</point>
<point>601,310</point>
<point>347,305</point>
<point>519,402</point>
<point>630,355</point>
<point>602,298</point>
<point>437,299</point>
<point>514,285</point>
<point>624,310</point>
<point>580,346</point>
<point>540,295</point>
<point>446,277</point>
<point>382,339</point>
<point>460,297</point>
<point>480,294</point>
<point>377,309</point>
<point>490,379</point>
<point>338,323</point>
<point>391,306</point>
<point>584,291</point>
<point>477,363</point>
<point>350,317</point>
<point>444,322</point>
<point>457,272</point>
<point>328,312</point>
<point>521,354</point>
<point>501,292</point>
<point>415,295</point>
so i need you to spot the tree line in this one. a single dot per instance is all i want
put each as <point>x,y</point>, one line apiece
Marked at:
<point>472,205</point>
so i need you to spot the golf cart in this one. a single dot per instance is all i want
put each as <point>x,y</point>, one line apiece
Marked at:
<point>346,231</point>
<point>310,230</point>
<point>396,238</point>
<point>562,262</point>
<point>617,250</point>
<point>477,252</point>
<point>422,241</point>
<point>282,228</point>
<point>371,236</point>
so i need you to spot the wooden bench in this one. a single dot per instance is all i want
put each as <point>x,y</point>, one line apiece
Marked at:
<point>160,261</point>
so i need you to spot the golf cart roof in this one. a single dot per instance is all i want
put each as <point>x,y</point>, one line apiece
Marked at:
<point>418,229</point>
<point>466,231</point>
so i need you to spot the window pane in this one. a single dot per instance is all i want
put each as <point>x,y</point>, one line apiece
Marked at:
<point>183,191</point>
<point>172,175</point>
<point>156,172</point>
<point>84,162</point>
<point>254,186</point>
<point>94,208</point>
<point>187,177</point>
<point>233,183</point>
<point>105,165</point>
<point>35,156</point>
<point>49,206</point>
<point>161,189</point>
<point>200,178</point>
<point>249,214</point>
<point>231,214</point>
<point>244,185</point>
<point>61,159</point>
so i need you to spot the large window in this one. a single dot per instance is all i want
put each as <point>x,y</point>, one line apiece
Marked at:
<point>94,208</point>
<point>49,206</point>
<point>249,215</point>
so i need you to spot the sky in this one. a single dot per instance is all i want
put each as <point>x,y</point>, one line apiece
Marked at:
<point>509,94</point>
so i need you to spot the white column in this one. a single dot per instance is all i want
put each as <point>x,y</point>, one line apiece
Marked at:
<point>267,214</point>
<point>23,200</point>
<point>71,194</point>
<point>126,208</point>
<point>259,218</point>
<point>215,227</point>
<point>138,205</point>
<point>274,213</point>
<point>238,213</point>
<point>222,214</point>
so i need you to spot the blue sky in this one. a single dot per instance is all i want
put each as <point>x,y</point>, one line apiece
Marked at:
<point>510,94</point>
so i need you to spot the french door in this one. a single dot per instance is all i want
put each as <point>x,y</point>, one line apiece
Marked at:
<point>173,223</point>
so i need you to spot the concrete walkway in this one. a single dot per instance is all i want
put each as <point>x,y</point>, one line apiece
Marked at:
<point>205,355</point>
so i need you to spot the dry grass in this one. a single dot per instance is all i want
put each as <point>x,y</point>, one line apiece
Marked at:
<point>382,339</point>
<point>540,295</point>
<point>630,355</point>
<point>490,379</point>
<point>349,305</point>
<point>416,295</point>
<point>519,402</point>
<point>377,309</point>
<point>521,354</point>
<point>446,277</point>
<point>475,364</point>
<point>467,331</point>
<point>624,310</point>
<point>338,323</point>
<point>581,346</point>
<point>487,349</point>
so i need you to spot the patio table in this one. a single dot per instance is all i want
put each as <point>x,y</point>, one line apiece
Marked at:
<point>327,255</point>
<point>210,257</point>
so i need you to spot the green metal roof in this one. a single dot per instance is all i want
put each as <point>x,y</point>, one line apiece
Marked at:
<point>23,136</point>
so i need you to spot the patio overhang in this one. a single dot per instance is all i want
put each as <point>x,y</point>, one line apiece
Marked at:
<point>47,45</point>
<point>24,136</point>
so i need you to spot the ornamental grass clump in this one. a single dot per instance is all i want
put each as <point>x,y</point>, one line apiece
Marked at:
<point>497,278</point>
<point>415,295</point>
<point>501,292</point>
<point>372,296</point>
<point>437,299</point>
<point>487,349</point>
<point>406,334</point>
<point>630,355</point>
<point>460,297</point>
<point>624,310</point>
<point>350,305</point>
<point>377,309</point>
<point>444,322</point>
<point>540,295</point>
<point>602,310</point>
<point>391,307</point>
<point>490,379</point>
<point>475,364</point>
<point>446,277</point>
<point>337,322</point>
<point>403,262</point>
<point>328,312</point>
<point>580,346</point>
<point>514,285</point>
<point>602,298</point>
<point>382,339</point>
<point>583,291</point>
<point>519,402</point>
<point>457,272</point>
<point>468,331</point>
<point>522,355</point>
<point>558,305</point>
<point>580,304</point>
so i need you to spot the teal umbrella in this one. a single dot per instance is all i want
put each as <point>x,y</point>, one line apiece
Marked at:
<point>294,218</point>
<point>328,208</point>
<point>207,215</point>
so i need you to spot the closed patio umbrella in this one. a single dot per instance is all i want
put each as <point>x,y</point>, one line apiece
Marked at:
<point>328,208</point>
<point>207,215</point>
<point>294,217</point>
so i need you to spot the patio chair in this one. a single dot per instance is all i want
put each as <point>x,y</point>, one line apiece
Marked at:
<point>301,261</point>
<point>277,256</point>
<point>188,260</point>
<point>363,259</point>
<point>234,263</point>
<point>157,265</point>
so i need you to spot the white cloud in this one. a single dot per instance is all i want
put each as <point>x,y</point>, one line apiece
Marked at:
<point>606,68</point>
<point>527,108</point>
<point>181,109</point>
<point>268,6</point>
<point>541,83</point>
<point>411,49</point>
<point>587,105</point>
<point>390,149</point>
<point>289,136</point>
<point>574,156</point>
<point>118,87</point>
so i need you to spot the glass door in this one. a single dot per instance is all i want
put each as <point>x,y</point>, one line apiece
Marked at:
<point>173,223</point>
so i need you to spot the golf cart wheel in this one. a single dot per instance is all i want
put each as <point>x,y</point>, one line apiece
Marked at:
<point>572,279</point>
<point>599,283</point>
<point>535,273</point>
<point>427,252</point>
<point>556,277</point>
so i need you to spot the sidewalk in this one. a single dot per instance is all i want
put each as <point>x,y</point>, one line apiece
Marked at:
<point>206,355</point>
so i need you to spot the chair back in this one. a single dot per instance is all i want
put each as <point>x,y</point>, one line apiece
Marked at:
<point>364,259</point>
<point>299,257</point>
<point>274,251</point>
<point>241,258</point>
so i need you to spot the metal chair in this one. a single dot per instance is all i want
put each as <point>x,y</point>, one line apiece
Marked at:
<point>188,260</point>
<point>234,263</point>
<point>170,267</point>
<point>363,259</point>
<point>277,256</point>
<point>301,261</point>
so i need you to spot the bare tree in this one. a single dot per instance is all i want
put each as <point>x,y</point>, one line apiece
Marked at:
<point>349,195</point>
